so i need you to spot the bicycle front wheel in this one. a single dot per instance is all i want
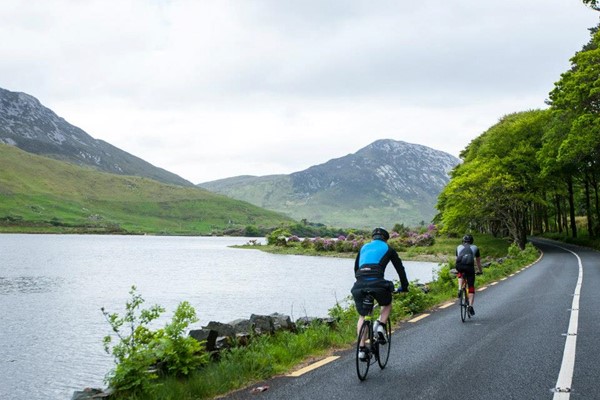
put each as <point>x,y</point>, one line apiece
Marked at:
<point>464,304</point>
<point>362,365</point>
<point>384,346</point>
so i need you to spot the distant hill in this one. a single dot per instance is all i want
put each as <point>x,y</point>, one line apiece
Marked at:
<point>385,183</point>
<point>25,123</point>
<point>40,194</point>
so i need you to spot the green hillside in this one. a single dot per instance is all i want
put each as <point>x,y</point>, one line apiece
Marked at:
<point>39,194</point>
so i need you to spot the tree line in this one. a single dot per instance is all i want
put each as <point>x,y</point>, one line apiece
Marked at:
<point>535,171</point>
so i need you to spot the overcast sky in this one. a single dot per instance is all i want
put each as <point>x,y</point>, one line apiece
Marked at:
<point>210,89</point>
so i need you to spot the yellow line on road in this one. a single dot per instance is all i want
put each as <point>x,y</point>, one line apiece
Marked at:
<point>420,317</point>
<point>313,366</point>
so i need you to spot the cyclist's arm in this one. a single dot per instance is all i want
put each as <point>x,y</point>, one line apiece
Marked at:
<point>478,260</point>
<point>397,263</point>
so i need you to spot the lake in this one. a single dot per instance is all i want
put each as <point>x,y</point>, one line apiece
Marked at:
<point>53,286</point>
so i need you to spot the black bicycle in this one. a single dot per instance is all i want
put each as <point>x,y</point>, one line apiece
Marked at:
<point>464,301</point>
<point>376,349</point>
<point>463,296</point>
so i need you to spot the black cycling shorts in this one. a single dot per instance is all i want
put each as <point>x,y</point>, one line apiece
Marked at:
<point>470,277</point>
<point>382,291</point>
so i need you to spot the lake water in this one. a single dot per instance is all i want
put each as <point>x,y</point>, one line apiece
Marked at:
<point>53,286</point>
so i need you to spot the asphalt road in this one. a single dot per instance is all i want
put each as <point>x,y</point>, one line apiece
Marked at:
<point>513,348</point>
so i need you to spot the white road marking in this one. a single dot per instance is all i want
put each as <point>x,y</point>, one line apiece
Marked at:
<point>562,389</point>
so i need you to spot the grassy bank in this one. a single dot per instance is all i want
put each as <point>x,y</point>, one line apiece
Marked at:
<point>270,356</point>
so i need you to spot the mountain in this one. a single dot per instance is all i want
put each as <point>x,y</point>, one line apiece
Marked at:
<point>41,194</point>
<point>384,183</point>
<point>25,123</point>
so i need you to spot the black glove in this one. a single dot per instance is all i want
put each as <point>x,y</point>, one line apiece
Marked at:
<point>401,289</point>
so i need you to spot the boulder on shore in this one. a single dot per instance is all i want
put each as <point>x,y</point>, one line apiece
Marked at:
<point>90,394</point>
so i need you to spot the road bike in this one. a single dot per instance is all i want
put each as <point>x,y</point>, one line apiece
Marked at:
<point>463,296</point>
<point>377,349</point>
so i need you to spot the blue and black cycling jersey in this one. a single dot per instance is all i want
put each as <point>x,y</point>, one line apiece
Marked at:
<point>372,260</point>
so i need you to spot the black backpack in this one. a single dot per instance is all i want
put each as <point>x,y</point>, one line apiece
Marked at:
<point>465,261</point>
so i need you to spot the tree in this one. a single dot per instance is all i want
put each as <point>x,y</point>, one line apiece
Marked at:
<point>576,99</point>
<point>593,4</point>
<point>499,181</point>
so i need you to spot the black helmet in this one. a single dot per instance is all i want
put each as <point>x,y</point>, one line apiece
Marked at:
<point>380,233</point>
<point>468,239</point>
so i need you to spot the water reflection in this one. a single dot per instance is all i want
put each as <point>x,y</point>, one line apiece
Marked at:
<point>30,284</point>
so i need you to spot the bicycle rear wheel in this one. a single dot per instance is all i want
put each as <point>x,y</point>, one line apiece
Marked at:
<point>362,366</point>
<point>385,347</point>
<point>464,304</point>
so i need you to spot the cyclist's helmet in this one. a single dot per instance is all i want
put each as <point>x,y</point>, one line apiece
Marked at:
<point>468,239</point>
<point>380,233</point>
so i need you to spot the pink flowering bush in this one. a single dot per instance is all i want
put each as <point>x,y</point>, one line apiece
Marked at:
<point>352,243</point>
<point>318,244</point>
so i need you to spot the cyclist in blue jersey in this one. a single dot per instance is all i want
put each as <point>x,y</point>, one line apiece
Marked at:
<point>369,269</point>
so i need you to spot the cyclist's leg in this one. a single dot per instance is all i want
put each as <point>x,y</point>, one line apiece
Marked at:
<point>385,313</point>
<point>384,297</point>
<point>359,297</point>
<point>470,277</point>
<point>361,319</point>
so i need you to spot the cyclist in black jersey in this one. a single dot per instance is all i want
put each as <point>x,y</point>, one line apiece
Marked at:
<point>369,269</point>
<point>469,270</point>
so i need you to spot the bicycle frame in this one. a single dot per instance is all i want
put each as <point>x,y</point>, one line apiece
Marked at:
<point>376,350</point>
<point>464,300</point>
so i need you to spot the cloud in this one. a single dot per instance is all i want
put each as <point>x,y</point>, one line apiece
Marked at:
<point>210,89</point>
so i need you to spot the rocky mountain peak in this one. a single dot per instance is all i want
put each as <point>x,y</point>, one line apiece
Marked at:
<point>387,180</point>
<point>27,124</point>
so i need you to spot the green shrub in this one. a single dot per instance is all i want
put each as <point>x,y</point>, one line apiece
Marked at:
<point>318,244</point>
<point>278,237</point>
<point>413,302</point>
<point>306,243</point>
<point>179,354</point>
<point>141,353</point>
<point>397,244</point>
